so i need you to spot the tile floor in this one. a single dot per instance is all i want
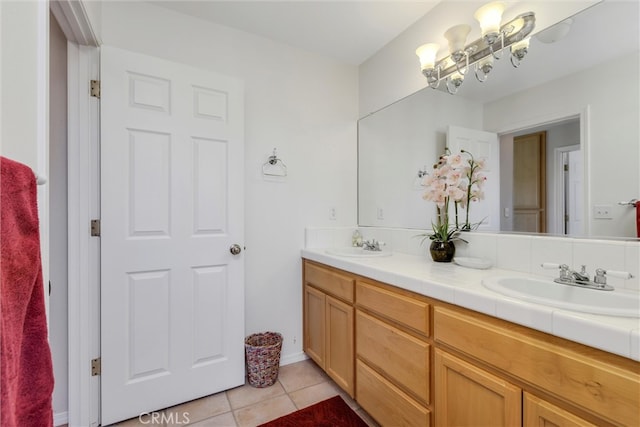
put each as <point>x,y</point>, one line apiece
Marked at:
<point>299,385</point>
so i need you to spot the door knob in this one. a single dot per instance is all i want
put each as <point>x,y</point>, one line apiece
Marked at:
<point>235,249</point>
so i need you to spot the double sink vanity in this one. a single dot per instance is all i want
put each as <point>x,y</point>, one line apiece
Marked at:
<point>418,343</point>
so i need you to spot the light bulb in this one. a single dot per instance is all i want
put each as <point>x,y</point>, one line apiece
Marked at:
<point>427,54</point>
<point>457,37</point>
<point>518,51</point>
<point>454,82</point>
<point>489,17</point>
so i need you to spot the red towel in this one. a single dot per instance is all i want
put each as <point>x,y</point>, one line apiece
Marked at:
<point>638,217</point>
<point>26,383</point>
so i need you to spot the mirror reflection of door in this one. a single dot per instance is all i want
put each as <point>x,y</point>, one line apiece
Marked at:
<point>572,172</point>
<point>529,183</point>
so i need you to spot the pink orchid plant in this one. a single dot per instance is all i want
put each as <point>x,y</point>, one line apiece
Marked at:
<point>457,179</point>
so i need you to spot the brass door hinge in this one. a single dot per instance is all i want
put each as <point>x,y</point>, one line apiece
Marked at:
<point>95,228</point>
<point>95,88</point>
<point>96,367</point>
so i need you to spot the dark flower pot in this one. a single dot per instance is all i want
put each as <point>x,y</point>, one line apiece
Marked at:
<point>442,251</point>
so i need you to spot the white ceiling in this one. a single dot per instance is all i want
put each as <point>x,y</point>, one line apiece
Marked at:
<point>353,31</point>
<point>350,31</point>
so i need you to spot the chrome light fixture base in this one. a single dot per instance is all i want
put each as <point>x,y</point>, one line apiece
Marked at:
<point>481,53</point>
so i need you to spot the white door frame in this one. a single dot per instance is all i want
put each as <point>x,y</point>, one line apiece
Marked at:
<point>83,173</point>
<point>559,187</point>
<point>584,116</point>
<point>83,196</point>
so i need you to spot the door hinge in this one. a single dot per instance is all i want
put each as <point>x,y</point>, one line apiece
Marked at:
<point>96,367</point>
<point>566,168</point>
<point>95,88</point>
<point>95,228</point>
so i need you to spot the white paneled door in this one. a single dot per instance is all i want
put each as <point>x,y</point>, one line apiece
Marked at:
<point>483,145</point>
<point>172,293</point>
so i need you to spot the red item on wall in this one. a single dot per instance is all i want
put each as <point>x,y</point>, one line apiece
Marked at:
<point>26,369</point>
<point>638,217</point>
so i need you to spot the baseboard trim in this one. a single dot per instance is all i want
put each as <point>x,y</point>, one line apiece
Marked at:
<point>293,358</point>
<point>60,418</point>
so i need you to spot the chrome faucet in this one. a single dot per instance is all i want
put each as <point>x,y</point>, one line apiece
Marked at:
<point>575,278</point>
<point>581,279</point>
<point>582,276</point>
<point>372,245</point>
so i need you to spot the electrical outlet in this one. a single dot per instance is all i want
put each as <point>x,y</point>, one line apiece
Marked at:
<point>332,214</point>
<point>602,211</point>
<point>380,213</point>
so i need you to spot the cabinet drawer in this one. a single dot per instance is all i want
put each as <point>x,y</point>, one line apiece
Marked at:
<point>401,357</point>
<point>389,405</point>
<point>538,412</point>
<point>407,311</point>
<point>603,384</point>
<point>330,281</point>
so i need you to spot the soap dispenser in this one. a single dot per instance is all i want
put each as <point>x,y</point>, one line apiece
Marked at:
<point>356,239</point>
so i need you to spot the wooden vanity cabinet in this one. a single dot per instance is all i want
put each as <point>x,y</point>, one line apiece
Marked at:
<point>328,322</point>
<point>588,386</point>
<point>467,395</point>
<point>419,361</point>
<point>540,413</point>
<point>393,355</point>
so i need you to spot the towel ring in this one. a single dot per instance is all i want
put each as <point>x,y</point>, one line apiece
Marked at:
<point>274,166</point>
<point>632,202</point>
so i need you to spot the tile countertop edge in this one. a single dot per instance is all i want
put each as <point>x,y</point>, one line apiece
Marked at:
<point>462,286</point>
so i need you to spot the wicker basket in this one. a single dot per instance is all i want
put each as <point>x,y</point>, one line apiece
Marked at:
<point>263,358</point>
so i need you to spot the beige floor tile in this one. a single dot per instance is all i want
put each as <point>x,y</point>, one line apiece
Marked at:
<point>145,421</point>
<point>264,411</point>
<point>246,395</point>
<point>222,420</point>
<point>300,375</point>
<point>197,410</point>
<point>314,394</point>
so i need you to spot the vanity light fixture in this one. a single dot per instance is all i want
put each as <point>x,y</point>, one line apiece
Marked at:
<point>479,54</point>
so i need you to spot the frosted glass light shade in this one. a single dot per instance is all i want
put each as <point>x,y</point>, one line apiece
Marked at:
<point>522,44</point>
<point>489,16</point>
<point>457,37</point>
<point>427,54</point>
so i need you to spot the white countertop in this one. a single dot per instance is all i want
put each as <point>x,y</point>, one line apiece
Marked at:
<point>462,286</point>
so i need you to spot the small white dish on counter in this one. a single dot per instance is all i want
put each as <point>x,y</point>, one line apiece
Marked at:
<point>471,262</point>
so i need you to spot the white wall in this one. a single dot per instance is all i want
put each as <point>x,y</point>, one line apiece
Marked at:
<point>394,71</point>
<point>613,150</point>
<point>302,104</point>
<point>20,38</point>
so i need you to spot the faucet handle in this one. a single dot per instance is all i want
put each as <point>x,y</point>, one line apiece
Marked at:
<point>565,273</point>
<point>615,273</point>
<point>601,275</point>
<point>549,265</point>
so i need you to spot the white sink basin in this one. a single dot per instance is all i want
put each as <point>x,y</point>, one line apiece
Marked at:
<point>356,252</point>
<point>612,303</point>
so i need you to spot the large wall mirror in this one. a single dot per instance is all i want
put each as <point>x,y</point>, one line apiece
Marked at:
<point>568,126</point>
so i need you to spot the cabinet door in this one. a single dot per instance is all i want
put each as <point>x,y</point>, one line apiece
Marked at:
<point>466,395</point>
<point>540,413</point>
<point>339,355</point>
<point>386,403</point>
<point>314,322</point>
